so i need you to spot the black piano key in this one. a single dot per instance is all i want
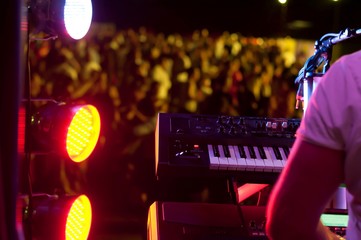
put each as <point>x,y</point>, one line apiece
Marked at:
<point>277,153</point>
<point>251,152</point>
<point>261,152</point>
<point>286,150</point>
<point>242,153</point>
<point>226,151</point>
<point>216,151</point>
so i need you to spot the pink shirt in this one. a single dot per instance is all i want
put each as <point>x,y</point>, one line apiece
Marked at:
<point>333,119</point>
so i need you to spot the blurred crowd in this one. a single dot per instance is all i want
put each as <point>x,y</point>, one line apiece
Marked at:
<point>132,75</point>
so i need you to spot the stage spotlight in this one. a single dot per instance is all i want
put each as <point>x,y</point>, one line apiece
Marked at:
<point>68,129</point>
<point>60,17</point>
<point>58,217</point>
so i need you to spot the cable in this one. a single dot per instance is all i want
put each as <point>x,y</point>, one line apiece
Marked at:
<point>259,198</point>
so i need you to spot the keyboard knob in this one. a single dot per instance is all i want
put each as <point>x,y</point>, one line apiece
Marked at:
<point>232,131</point>
<point>180,131</point>
<point>230,121</point>
<point>221,129</point>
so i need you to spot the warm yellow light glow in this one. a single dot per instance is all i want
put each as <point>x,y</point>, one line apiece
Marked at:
<point>282,1</point>
<point>79,219</point>
<point>83,133</point>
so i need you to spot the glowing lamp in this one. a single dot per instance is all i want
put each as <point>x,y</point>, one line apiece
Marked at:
<point>71,130</point>
<point>61,17</point>
<point>59,218</point>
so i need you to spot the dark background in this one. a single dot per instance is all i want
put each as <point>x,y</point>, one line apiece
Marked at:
<point>307,19</point>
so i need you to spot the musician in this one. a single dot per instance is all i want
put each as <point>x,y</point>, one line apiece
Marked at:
<point>326,153</point>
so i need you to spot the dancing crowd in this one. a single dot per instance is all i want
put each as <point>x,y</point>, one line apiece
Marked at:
<point>131,75</point>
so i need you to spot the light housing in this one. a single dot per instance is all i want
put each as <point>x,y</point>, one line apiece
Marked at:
<point>70,130</point>
<point>58,217</point>
<point>61,17</point>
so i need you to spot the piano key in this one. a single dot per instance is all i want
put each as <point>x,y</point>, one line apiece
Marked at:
<point>241,160</point>
<point>215,150</point>
<point>284,157</point>
<point>232,160</point>
<point>286,150</point>
<point>213,159</point>
<point>257,158</point>
<point>223,160</point>
<point>241,151</point>
<point>251,163</point>
<point>277,153</point>
<point>226,151</point>
<point>268,164</point>
<point>261,152</point>
<point>251,152</point>
<point>277,164</point>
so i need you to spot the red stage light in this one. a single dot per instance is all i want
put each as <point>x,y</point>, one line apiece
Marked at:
<point>58,218</point>
<point>79,219</point>
<point>71,130</point>
<point>83,133</point>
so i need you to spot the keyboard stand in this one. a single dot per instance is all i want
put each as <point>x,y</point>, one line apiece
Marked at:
<point>248,189</point>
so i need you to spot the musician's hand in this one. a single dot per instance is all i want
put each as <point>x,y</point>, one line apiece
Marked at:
<point>338,237</point>
<point>328,234</point>
<point>333,236</point>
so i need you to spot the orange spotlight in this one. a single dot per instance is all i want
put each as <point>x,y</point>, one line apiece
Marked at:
<point>71,130</point>
<point>58,218</point>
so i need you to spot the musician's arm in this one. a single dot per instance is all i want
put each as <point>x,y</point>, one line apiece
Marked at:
<point>310,178</point>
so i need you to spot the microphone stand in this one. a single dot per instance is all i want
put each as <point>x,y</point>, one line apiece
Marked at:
<point>308,76</point>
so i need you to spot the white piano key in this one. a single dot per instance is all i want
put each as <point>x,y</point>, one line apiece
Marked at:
<point>213,160</point>
<point>223,160</point>
<point>284,157</point>
<point>268,164</point>
<point>277,164</point>
<point>270,159</point>
<point>258,160</point>
<point>251,163</point>
<point>241,162</point>
<point>232,160</point>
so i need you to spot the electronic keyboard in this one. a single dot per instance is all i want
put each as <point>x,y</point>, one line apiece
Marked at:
<point>195,145</point>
